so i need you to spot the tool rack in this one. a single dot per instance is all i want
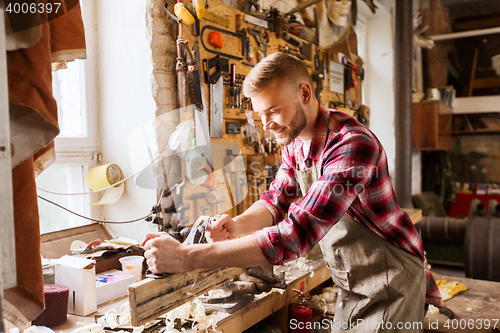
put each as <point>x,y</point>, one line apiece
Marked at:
<point>235,45</point>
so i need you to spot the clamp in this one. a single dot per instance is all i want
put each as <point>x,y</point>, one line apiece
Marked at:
<point>234,34</point>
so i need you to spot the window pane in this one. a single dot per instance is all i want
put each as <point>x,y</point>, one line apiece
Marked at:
<point>62,179</point>
<point>68,88</point>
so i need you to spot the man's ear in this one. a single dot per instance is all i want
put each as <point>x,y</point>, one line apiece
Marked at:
<point>306,93</point>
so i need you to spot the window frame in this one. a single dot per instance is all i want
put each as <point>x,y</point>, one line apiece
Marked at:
<point>88,145</point>
<point>85,151</point>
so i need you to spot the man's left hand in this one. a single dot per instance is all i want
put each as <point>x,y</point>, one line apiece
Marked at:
<point>164,254</point>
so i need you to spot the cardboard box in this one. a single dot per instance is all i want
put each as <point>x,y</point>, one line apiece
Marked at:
<point>115,287</point>
<point>79,275</point>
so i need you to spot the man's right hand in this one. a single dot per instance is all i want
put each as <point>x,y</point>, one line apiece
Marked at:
<point>221,227</point>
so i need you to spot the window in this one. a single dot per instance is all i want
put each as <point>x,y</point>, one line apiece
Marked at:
<point>62,179</point>
<point>68,88</point>
<point>77,145</point>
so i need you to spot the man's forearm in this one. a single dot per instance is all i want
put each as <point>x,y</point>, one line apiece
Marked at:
<point>243,252</point>
<point>254,218</point>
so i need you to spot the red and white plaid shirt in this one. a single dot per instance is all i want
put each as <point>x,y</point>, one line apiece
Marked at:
<point>354,181</point>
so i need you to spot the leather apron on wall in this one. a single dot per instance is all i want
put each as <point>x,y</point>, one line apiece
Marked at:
<point>381,286</point>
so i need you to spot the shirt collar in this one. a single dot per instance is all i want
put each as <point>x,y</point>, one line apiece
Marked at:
<point>320,133</point>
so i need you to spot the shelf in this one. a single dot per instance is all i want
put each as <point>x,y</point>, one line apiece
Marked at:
<point>479,131</point>
<point>431,126</point>
<point>477,104</point>
<point>476,123</point>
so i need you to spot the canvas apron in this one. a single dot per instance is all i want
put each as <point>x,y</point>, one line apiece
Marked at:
<point>381,286</point>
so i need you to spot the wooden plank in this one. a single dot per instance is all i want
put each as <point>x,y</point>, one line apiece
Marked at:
<point>480,302</point>
<point>7,243</point>
<point>151,298</point>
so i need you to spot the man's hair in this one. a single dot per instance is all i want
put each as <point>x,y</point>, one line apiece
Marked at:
<point>277,67</point>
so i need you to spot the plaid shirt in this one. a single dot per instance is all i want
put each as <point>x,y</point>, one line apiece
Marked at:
<point>355,181</point>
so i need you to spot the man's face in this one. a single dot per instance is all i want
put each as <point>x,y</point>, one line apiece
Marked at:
<point>281,112</point>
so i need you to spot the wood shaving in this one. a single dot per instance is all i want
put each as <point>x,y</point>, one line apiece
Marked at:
<point>433,309</point>
<point>195,312</point>
<point>326,300</point>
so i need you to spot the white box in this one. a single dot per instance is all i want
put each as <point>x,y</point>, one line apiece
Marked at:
<point>79,275</point>
<point>115,289</point>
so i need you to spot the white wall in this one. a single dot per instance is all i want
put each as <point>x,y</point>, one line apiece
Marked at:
<point>125,102</point>
<point>379,81</point>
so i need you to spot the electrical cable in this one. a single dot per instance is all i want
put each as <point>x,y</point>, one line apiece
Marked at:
<point>102,221</point>
<point>103,189</point>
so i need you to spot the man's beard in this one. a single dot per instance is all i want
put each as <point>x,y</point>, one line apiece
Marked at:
<point>296,127</point>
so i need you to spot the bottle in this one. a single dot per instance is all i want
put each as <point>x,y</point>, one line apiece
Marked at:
<point>250,55</point>
<point>301,317</point>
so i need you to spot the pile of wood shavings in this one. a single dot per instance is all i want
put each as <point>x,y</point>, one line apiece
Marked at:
<point>302,264</point>
<point>194,312</point>
<point>325,301</point>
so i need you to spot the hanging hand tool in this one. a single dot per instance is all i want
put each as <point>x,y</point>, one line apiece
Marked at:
<point>234,89</point>
<point>216,108</point>
<point>221,65</point>
<point>205,208</point>
<point>195,198</point>
<point>216,92</point>
<point>291,39</point>
<point>203,13</point>
<point>195,236</point>
<point>262,40</point>
<point>201,118</point>
<point>244,43</point>
<point>180,68</point>
<point>214,18</point>
<point>215,39</point>
<point>318,74</point>
<point>233,34</point>
<point>194,83</point>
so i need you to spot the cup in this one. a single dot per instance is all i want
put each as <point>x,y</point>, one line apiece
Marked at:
<point>434,94</point>
<point>133,265</point>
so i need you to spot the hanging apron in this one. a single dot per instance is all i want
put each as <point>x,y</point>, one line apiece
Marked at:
<point>381,286</point>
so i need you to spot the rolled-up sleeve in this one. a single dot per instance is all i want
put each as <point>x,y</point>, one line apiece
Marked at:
<point>348,166</point>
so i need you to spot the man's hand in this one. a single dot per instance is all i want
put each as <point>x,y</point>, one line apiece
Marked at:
<point>164,254</point>
<point>221,227</point>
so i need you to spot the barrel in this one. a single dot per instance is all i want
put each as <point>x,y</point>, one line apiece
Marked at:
<point>482,241</point>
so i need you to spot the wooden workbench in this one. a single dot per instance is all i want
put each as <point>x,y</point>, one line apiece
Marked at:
<point>473,308</point>
<point>263,305</point>
<point>275,302</point>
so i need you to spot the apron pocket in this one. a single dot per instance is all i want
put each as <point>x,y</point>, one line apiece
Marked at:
<point>340,278</point>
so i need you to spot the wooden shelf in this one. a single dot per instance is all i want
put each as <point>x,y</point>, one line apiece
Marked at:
<point>476,104</point>
<point>479,131</point>
<point>476,123</point>
<point>431,126</point>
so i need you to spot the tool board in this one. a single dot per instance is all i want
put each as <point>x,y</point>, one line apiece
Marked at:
<point>257,163</point>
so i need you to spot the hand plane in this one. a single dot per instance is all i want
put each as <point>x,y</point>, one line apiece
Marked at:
<point>195,236</point>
